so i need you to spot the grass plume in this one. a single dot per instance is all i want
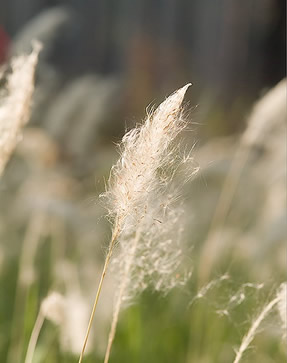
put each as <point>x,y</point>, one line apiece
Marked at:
<point>145,150</point>
<point>266,114</point>
<point>15,104</point>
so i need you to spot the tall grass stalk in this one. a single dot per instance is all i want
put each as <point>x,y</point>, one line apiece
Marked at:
<point>144,150</point>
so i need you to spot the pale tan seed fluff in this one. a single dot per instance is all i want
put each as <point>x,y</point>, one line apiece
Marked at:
<point>141,193</point>
<point>53,308</point>
<point>71,314</point>
<point>144,150</point>
<point>73,327</point>
<point>16,102</point>
<point>151,253</point>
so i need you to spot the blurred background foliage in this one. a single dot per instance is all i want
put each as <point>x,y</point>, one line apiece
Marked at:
<point>103,62</point>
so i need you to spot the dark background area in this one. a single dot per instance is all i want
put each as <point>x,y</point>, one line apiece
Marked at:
<point>229,50</point>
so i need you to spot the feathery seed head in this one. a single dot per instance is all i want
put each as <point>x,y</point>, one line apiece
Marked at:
<point>53,308</point>
<point>144,150</point>
<point>153,253</point>
<point>15,105</point>
<point>142,196</point>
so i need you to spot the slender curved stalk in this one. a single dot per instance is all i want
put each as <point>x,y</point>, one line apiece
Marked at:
<point>252,331</point>
<point>104,271</point>
<point>34,337</point>
<point>120,296</point>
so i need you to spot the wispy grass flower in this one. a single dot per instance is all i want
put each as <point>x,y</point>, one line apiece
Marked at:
<point>268,112</point>
<point>144,151</point>
<point>16,102</point>
<point>135,186</point>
